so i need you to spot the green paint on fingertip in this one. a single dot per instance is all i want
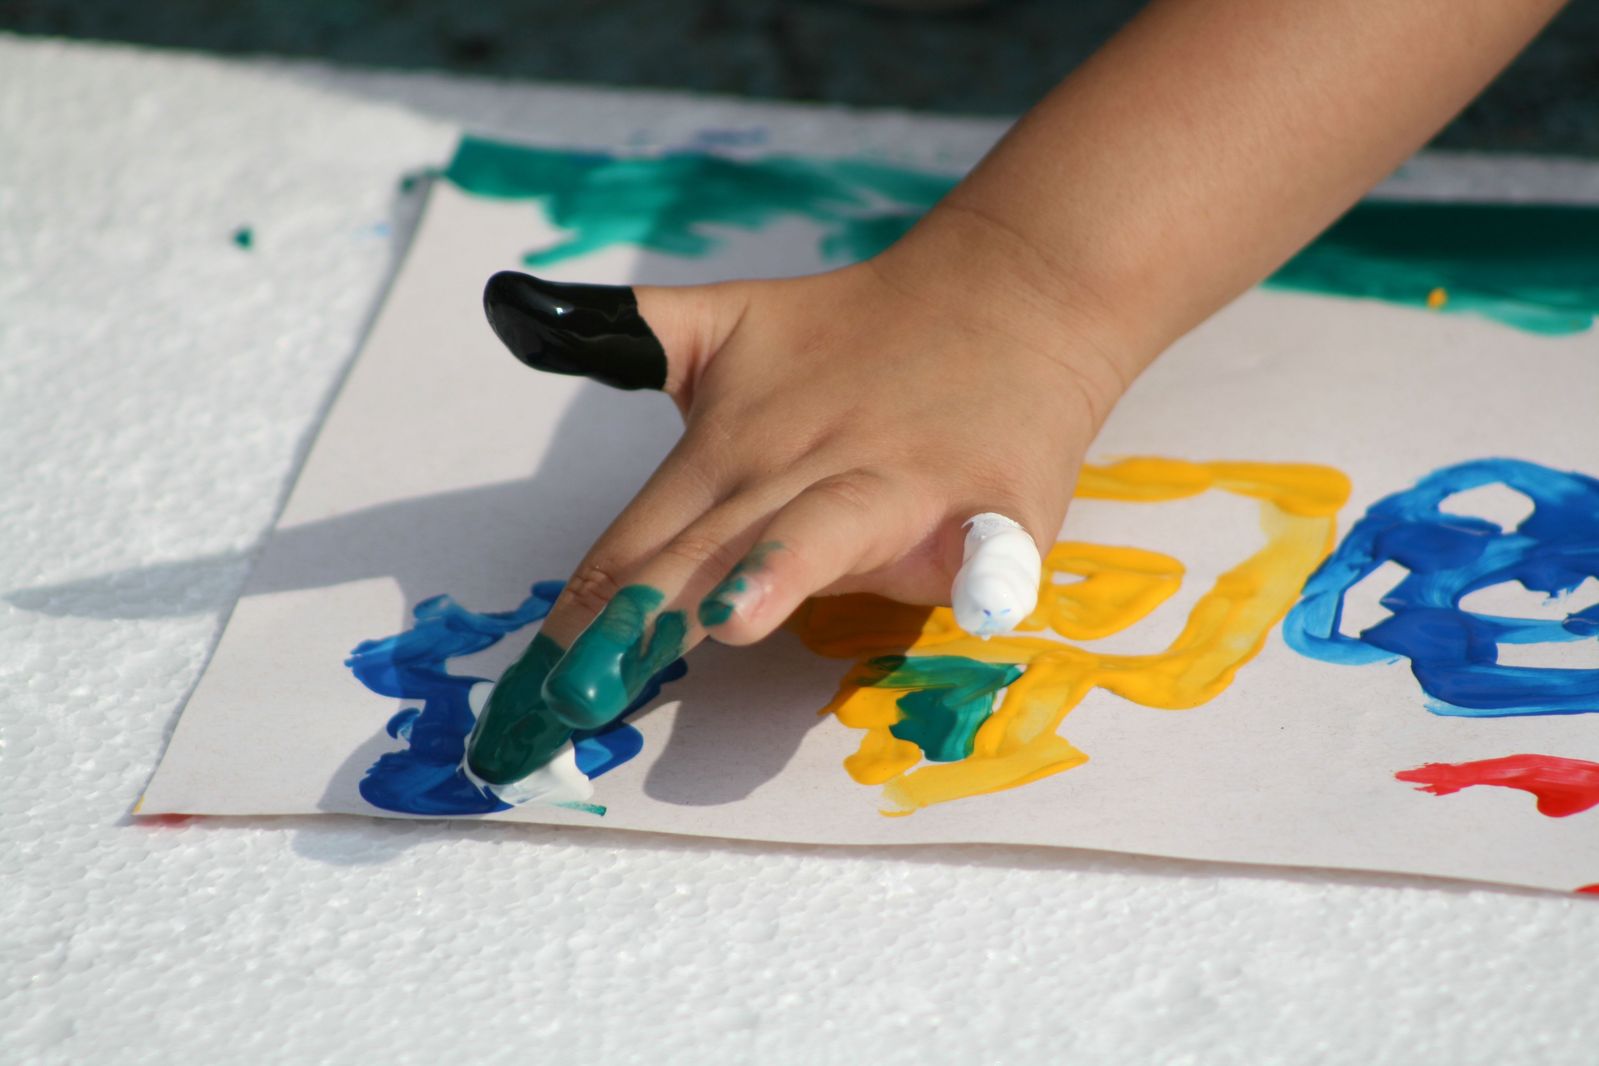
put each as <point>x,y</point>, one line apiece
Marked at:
<point>244,237</point>
<point>609,665</point>
<point>718,607</point>
<point>714,609</point>
<point>1525,266</point>
<point>516,734</point>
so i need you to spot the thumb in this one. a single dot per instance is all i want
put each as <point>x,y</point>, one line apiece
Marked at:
<point>646,338</point>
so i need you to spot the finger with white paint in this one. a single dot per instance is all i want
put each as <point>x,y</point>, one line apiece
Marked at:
<point>997,585</point>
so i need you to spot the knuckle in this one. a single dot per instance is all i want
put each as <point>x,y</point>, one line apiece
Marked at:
<point>717,463</point>
<point>858,491</point>
<point>593,586</point>
<point>701,552</point>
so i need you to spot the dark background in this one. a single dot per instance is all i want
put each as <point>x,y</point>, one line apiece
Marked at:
<point>994,59</point>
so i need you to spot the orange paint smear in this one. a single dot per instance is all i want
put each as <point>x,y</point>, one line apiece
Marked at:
<point>1115,588</point>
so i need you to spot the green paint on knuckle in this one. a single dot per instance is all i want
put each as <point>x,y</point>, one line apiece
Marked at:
<point>609,665</point>
<point>756,559</point>
<point>516,734</point>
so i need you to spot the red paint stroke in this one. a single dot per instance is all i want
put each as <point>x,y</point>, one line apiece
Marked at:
<point>165,819</point>
<point>1588,890</point>
<point>1563,786</point>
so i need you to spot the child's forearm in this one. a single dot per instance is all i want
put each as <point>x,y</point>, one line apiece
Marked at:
<point>1206,143</point>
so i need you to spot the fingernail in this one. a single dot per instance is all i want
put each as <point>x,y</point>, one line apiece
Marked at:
<point>611,663</point>
<point>592,331</point>
<point>516,734</point>
<point>740,592</point>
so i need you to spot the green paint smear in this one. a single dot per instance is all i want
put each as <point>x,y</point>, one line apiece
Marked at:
<point>244,237</point>
<point>586,808</point>
<point>1531,267</point>
<point>609,665</point>
<point>949,697</point>
<point>673,203</point>
<point>516,733</point>
<point>718,606</point>
<point>715,608</point>
<point>408,182</point>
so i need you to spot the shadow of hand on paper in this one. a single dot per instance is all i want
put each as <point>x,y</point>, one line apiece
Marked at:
<point>720,751</point>
<point>454,543</point>
<point>589,473</point>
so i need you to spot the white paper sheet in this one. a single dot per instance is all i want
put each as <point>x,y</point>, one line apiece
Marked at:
<point>447,468</point>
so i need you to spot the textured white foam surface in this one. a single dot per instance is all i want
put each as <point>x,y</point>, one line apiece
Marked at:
<point>157,387</point>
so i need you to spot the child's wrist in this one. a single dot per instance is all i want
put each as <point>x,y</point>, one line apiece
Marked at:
<point>996,276</point>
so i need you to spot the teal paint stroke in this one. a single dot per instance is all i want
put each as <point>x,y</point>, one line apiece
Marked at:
<point>672,203</point>
<point>1532,267</point>
<point>947,699</point>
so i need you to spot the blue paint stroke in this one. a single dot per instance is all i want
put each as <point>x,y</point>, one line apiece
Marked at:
<point>1454,653</point>
<point>426,777</point>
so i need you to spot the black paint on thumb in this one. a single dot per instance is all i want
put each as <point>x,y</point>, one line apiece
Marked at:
<point>593,331</point>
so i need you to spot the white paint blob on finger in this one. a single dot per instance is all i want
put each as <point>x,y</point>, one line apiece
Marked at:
<point>997,585</point>
<point>557,781</point>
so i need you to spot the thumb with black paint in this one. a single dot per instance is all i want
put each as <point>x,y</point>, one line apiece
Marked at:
<point>629,338</point>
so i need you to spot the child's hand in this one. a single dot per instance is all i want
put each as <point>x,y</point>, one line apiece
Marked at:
<point>840,428</point>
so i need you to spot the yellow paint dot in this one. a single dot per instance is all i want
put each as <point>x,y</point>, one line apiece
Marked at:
<point>1437,298</point>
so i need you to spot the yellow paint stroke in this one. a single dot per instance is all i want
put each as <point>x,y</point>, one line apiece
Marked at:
<point>1115,588</point>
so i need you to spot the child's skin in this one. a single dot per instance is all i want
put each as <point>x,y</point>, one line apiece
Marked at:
<point>847,423</point>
